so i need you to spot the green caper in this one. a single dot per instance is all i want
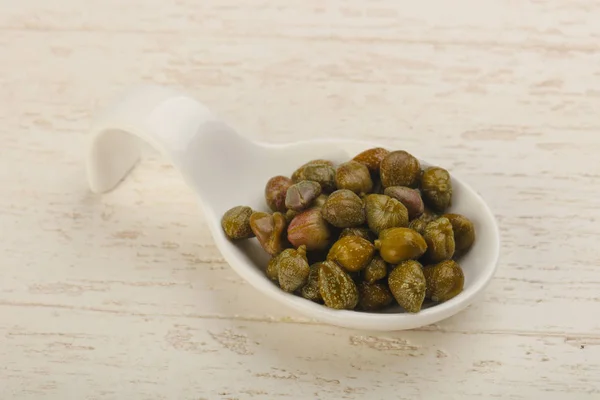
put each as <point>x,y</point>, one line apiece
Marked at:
<point>411,198</point>
<point>372,158</point>
<point>445,280</point>
<point>374,296</point>
<point>439,237</point>
<point>375,270</point>
<point>300,195</point>
<point>297,175</point>
<point>364,233</point>
<point>337,288</point>
<point>464,233</point>
<point>289,215</point>
<point>310,229</point>
<point>293,269</point>
<point>275,192</point>
<point>320,201</point>
<point>384,212</point>
<point>400,244</point>
<point>436,188</point>
<point>269,230</point>
<point>419,224</point>
<point>400,168</point>
<point>353,176</point>
<point>311,291</point>
<point>236,223</point>
<point>273,269</point>
<point>408,285</point>
<point>323,174</point>
<point>352,253</point>
<point>343,209</point>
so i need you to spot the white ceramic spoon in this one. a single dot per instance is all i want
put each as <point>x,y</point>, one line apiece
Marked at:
<point>225,169</point>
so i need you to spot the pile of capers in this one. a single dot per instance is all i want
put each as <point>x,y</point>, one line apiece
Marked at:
<point>364,235</point>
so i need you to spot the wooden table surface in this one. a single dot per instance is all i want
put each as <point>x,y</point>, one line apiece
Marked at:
<point>125,296</point>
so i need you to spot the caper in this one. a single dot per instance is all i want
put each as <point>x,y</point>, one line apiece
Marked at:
<point>400,168</point>
<point>419,224</point>
<point>290,214</point>
<point>301,195</point>
<point>310,229</point>
<point>343,209</point>
<point>384,212</point>
<point>323,174</point>
<point>269,230</point>
<point>275,192</point>
<point>293,269</point>
<point>464,233</point>
<point>296,176</point>
<point>353,176</point>
<point>273,269</point>
<point>364,233</point>
<point>352,253</point>
<point>410,198</point>
<point>439,237</point>
<point>311,291</point>
<point>320,201</point>
<point>374,296</point>
<point>400,244</point>
<point>436,188</point>
<point>372,158</point>
<point>445,280</point>
<point>375,270</point>
<point>337,288</point>
<point>236,223</point>
<point>408,285</point>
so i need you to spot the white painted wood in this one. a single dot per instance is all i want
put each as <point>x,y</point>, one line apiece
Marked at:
<point>125,295</point>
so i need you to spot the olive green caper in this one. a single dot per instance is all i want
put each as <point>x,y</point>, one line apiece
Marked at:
<point>320,201</point>
<point>311,291</point>
<point>293,269</point>
<point>236,223</point>
<point>419,224</point>
<point>273,269</point>
<point>384,212</point>
<point>464,233</point>
<point>411,198</point>
<point>400,168</point>
<point>374,296</point>
<point>445,280</point>
<point>372,158</point>
<point>337,288</point>
<point>269,230</point>
<point>323,174</point>
<point>375,270</point>
<point>290,214</point>
<point>408,285</point>
<point>400,244</point>
<point>296,176</point>
<point>436,188</point>
<point>301,195</point>
<point>354,176</point>
<point>310,229</point>
<point>352,253</point>
<point>364,233</point>
<point>343,209</point>
<point>439,237</point>
<point>275,192</point>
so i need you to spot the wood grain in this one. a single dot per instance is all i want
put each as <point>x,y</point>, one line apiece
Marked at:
<point>126,296</point>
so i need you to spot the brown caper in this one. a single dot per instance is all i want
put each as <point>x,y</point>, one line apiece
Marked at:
<point>352,253</point>
<point>300,195</point>
<point>464,233</point>
<point>343,209</point>
<point>275,192</point>
<point>375,270</point>
<point>439,237</point>
<point>400,168</point>
<point>323,174</point>
<point>293,269</point>
<point>236,223</point>
<point>372,158</point>
<point>408,285</point>
<point>400,244</point>
<point>269,230</point>
<point>374,296</point>
<point>445,280</point>
<point>354,176</point>
<point>310,229</point>
<point>384,212</point>
<point>436,188</point>
<point>311,291</point>
<point>419,224</point>
<point>411,198</point>
<point>337,288</point>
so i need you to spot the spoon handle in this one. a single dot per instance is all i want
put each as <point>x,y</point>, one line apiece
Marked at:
<point>166,119</point>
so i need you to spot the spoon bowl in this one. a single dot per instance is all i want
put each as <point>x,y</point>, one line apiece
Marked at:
<point>225,169</point>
